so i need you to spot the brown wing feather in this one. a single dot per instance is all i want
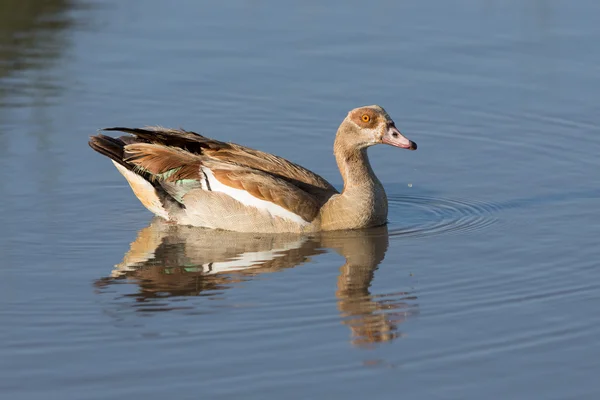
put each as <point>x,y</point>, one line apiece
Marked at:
<point>186,140</point>
<point>232,153</point>
<point>266,187</point>
<point>271,164</point>
<point>160,160</point>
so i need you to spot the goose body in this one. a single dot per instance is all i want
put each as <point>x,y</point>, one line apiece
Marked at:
<point>190,179</point>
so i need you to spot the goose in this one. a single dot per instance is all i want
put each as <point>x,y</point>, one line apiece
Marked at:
<point>190,179</point>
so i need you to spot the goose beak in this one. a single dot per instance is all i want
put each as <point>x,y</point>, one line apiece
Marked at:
<point>393,137</point>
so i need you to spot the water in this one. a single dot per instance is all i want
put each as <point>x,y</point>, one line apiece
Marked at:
<point>485,283</point>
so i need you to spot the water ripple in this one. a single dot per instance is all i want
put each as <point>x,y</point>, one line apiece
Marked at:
<point>437,216</point>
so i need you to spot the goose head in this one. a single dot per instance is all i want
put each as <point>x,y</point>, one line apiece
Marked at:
<point>370,125</point>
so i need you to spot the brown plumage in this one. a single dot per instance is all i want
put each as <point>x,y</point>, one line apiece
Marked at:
<point>264,186</point>
<point>194,180</point>
<point>159,160</point>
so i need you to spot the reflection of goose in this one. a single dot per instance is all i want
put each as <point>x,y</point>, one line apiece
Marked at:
<point>171,260</point>
<point>174,260</point>
<point>370,320</point>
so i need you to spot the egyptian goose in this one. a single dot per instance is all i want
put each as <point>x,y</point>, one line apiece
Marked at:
<point>190,179</point>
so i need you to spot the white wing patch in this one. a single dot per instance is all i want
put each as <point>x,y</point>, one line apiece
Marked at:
<point>204,180</point>
<point>248,200</point>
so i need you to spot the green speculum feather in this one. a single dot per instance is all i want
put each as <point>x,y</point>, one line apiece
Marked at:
<point>167,174</point>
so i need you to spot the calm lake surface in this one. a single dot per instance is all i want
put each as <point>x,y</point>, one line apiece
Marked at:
<point>485,284</point>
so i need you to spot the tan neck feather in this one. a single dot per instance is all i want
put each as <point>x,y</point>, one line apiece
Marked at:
<point>363,202</point>
<point>354,165</point>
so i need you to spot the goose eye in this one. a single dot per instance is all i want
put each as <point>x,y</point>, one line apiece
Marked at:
<point>365,118</point>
